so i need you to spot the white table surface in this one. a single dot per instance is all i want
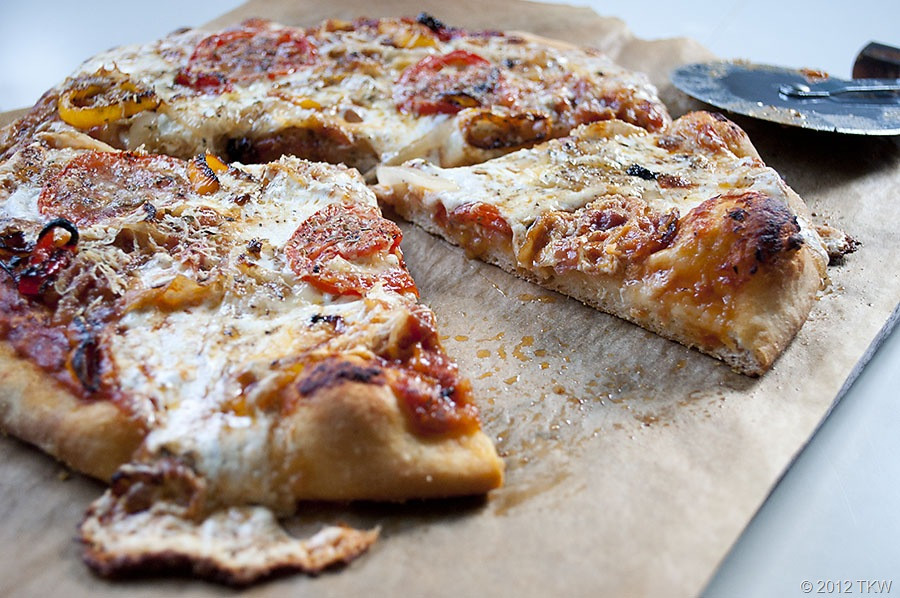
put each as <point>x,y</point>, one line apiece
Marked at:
<point>834,519</point>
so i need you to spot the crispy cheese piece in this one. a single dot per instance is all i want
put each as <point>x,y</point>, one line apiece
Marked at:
<point>152,519</point>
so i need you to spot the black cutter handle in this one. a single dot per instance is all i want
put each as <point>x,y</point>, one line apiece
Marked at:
<point>877,61</point>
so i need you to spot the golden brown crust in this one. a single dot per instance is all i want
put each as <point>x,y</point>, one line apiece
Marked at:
<point>735,280</point>
<point>351,441</point>
<point>92,437</point>
<point>23,129</point>
<point>707,132</point>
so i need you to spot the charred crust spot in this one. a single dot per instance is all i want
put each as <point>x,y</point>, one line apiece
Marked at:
<point>254,247</point>
<point>431,22</point>
<point>333,371</point>
<point>149,210</point>
<point>794,242</point>
<point>778,234</point>
<point>764,226</point>
<point>333,319</point>
<point>641,172</point>
<point>85,358</point>
<point>738,214</point>
<point>735,236</point>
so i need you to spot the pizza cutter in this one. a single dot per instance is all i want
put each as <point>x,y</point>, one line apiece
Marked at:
<point>868,104</point>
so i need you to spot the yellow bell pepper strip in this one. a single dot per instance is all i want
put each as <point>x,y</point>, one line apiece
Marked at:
<point>215,163</point>
<point>413,39</point>
<point>103,98</point>
<point>301,101</point>
<point>202,171</point>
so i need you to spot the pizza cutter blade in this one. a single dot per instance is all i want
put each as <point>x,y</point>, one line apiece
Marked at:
<point>796,97</point>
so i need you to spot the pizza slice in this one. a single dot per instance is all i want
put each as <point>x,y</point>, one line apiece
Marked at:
<point>684,232</point>
<point>360,93</point>
<point>219,342</point>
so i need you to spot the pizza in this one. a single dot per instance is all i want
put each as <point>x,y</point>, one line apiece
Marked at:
<point>684,232</point>
<point>204,306</point>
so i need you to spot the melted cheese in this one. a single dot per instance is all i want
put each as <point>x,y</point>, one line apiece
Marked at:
<point>566,174</point>
<point>23,203</point>
<point>358,101</point>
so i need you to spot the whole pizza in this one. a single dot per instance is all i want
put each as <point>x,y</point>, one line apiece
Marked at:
<point>203,305</point>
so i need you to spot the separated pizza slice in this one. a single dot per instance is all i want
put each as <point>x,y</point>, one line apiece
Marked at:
<point>220,342</point>
<point>684,232</point>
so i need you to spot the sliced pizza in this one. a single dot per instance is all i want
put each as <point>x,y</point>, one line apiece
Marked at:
<point>684,232</point>
<point>219,342</point>
<point>219,328</point>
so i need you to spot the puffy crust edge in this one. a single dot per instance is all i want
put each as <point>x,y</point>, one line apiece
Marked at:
<point>345,442</point>
<point>350,441</point>
<point>94,438</point>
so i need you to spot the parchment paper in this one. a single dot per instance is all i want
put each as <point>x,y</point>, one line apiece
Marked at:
<point>633,463</point>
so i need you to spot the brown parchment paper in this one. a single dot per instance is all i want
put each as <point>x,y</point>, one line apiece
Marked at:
<point>633,463</point>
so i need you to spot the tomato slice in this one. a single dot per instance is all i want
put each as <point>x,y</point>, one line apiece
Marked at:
<point>243,55</point>
<point>98,185</point>
<point>359,235</point>
<point>482,214</point>
<point>434,397</point>
<point>449,83</point>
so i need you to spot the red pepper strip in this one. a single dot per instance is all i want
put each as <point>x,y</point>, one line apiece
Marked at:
<point>47,259</point>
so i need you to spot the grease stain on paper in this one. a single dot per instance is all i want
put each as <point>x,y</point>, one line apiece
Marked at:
<point>549,393</point>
